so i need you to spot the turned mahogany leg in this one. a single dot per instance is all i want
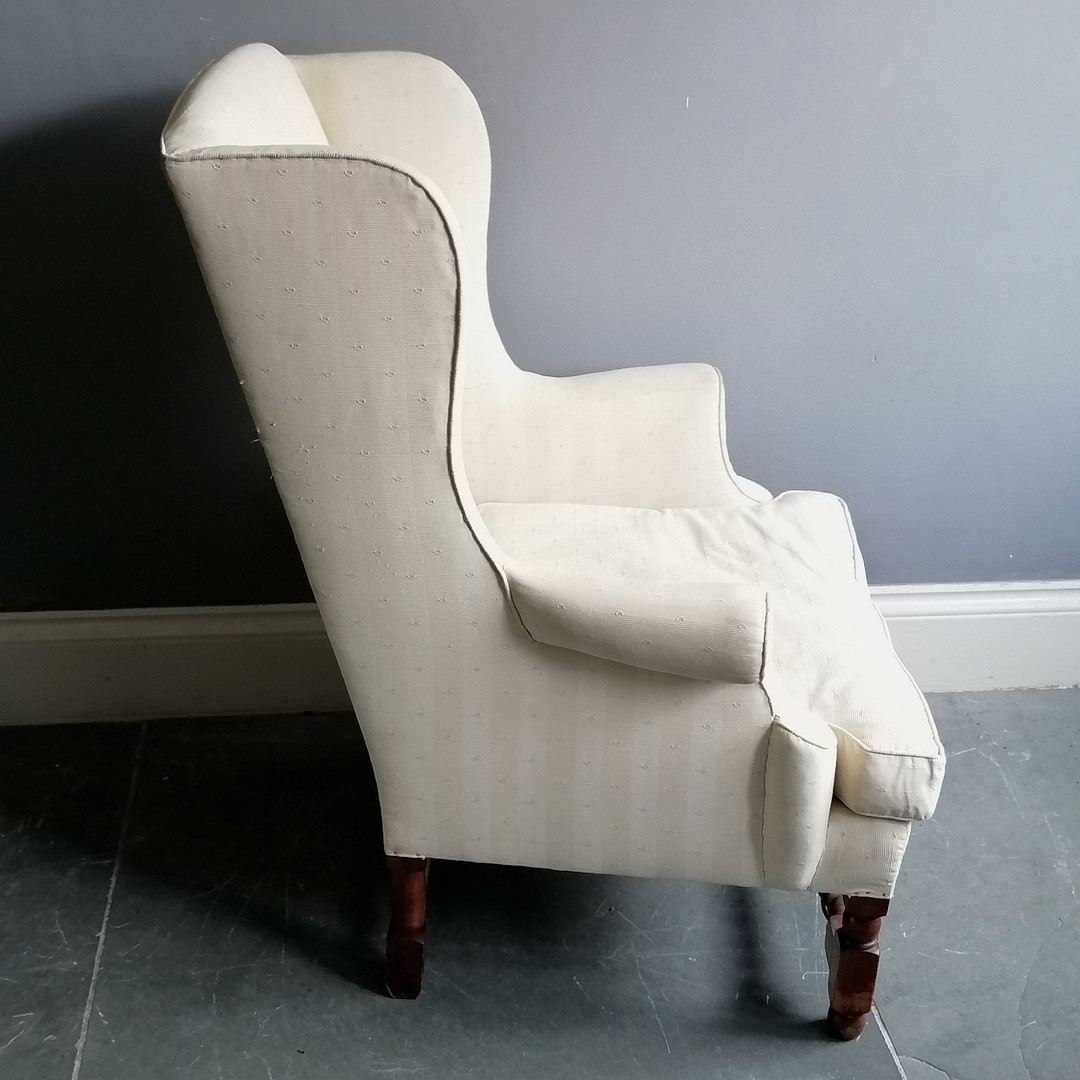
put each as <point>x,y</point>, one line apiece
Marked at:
<point>408,915</point>
<point>851,946</point>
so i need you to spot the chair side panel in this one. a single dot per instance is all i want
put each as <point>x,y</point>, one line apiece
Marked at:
<point>335,281</point>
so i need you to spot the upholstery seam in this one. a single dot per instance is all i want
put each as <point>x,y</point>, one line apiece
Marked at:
<point>833,796</point>
<point>210,154</point>
<point>451,410</point>
<point>850,525</point>
<point>764,640</point>
<point>824,840</point>
<point>801,738</point>
<point>720,419</point>
<point>927,715</point>
<point>765,800</point>
<point>721,441</point>
<point>885,753</point>
<point>772,718</point>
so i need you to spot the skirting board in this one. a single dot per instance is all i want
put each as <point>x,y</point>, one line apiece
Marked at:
<point>986,635</point>
<point>225,661</point>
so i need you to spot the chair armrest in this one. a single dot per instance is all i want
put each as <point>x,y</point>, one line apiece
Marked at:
<point>704,630</point>
<point>647,436</point>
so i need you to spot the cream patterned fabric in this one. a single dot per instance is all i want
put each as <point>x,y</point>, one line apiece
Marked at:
<point>632,660</point>
<point>702,629</point>
<point>257,97</point>
<point>826,650</point>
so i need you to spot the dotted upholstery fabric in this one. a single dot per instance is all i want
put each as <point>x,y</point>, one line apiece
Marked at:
<point>350,287</point>
<point>825,648</point>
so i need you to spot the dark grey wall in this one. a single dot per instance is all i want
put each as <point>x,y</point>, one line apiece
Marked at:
<point>868,214</point>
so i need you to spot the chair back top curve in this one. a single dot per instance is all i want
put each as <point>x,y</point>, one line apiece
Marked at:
<point>397,106</point>
<point>404,111</point>
<point>250,97</point>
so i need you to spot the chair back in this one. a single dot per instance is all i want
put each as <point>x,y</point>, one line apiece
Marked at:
<point>338,276</point>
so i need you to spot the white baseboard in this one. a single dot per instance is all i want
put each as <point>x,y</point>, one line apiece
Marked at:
<point>158,662</point>
<point>986,635</point>
<point>96,665</point>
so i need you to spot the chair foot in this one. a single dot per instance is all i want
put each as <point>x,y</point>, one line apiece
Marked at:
<point>845,1028</point>
<point>405,936</point>
<point>851,947</point>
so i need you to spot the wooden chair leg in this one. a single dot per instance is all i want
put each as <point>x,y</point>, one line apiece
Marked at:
<point>408,917</point>
<point>851,946</point>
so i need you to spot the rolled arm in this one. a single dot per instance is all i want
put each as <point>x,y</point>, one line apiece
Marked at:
<point>704,630</point>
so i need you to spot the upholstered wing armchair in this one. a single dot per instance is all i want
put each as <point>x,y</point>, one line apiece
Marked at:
<point>573,636</point>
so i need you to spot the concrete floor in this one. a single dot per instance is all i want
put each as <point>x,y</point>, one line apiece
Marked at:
<point>206,898</point>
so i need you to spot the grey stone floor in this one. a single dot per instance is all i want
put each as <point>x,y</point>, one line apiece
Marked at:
<point>206,898</point>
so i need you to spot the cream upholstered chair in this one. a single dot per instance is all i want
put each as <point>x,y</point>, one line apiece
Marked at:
<point>573,636</point>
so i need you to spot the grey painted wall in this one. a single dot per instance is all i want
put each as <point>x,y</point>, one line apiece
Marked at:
<point>867,213</point>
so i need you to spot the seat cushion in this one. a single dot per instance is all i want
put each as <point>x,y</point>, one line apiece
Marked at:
<point>827,650</point>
